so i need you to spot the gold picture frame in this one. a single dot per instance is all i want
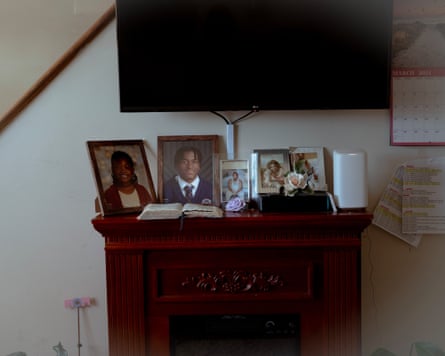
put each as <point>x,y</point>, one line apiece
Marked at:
<point>128,193</point>
<point>203,150</point>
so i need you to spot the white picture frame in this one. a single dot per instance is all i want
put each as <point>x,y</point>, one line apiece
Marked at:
<point>234,170</point>
<point>262,159</point>
<point>311,160</point>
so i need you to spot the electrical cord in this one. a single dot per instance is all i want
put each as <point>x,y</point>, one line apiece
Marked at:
<point>228,122</point>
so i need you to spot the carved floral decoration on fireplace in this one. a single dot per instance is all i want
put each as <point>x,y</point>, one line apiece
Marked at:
<point>234,281</point>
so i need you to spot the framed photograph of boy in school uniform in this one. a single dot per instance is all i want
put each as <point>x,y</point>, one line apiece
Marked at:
<point>122,174</point>
<point>188,169</point>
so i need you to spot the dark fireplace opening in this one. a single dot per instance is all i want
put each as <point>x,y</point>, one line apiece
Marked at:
<point>235,335</point>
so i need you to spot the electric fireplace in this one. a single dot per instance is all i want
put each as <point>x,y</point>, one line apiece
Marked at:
<point>233,335</point>
<point>245,281</point>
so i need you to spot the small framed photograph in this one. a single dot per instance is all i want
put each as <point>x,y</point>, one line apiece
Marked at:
<point>235,181</point>
<point>188,169</point>
<point>122,174</point>
<point>270,168</point>
<point>309,160</point>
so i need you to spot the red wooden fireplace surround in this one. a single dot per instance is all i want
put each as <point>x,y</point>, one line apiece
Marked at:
<point>249,263</point>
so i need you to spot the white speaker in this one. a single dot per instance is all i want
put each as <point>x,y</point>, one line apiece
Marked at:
<point>350,179</point>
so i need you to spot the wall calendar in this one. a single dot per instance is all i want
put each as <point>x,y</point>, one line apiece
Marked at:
<point>418,106</point>
<point>418,75</point>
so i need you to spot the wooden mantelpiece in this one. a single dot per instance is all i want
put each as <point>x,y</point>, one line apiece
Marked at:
<point>305,264</point>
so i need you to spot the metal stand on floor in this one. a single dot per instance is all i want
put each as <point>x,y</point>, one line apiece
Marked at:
<point>78,303</point>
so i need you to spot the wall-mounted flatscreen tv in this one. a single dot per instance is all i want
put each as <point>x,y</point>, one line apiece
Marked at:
<point>229,55</point>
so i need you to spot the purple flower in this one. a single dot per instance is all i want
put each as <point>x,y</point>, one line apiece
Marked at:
<point>235,204</point>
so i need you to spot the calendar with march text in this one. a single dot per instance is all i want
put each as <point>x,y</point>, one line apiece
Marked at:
<point>418,106</point>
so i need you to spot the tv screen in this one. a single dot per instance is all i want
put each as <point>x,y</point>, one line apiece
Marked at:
<point>217,55</point>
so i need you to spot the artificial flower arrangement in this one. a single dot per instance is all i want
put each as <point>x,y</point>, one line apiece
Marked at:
<point>299,179</point>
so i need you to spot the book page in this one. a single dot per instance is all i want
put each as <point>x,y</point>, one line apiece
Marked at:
<point>388,213</point>
<point>423,205</point>
<point>199,210</point>
<point>159,211</point>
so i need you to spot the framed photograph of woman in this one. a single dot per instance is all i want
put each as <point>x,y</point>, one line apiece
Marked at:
<point>309,160</point>
<point>122,174</point>
<point>271,166</point>
<point>234,180</point>
<point>188,169</point>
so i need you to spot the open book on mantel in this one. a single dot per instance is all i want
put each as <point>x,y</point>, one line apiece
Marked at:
<point>158,211</point>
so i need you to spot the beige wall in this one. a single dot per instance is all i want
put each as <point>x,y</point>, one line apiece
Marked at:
<point>50,252</point>
<point>34,34</point>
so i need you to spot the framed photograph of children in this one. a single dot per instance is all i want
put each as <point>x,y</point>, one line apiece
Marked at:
<point>123,178</point>
<point>188,169</point>
<point>234,180</point>
<point>309,160</point>
<point>271,166</point>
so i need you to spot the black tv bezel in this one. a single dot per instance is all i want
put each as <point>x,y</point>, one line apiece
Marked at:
<point>383,102</point>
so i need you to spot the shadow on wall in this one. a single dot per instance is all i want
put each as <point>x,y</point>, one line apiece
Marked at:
<point>59,349</point>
